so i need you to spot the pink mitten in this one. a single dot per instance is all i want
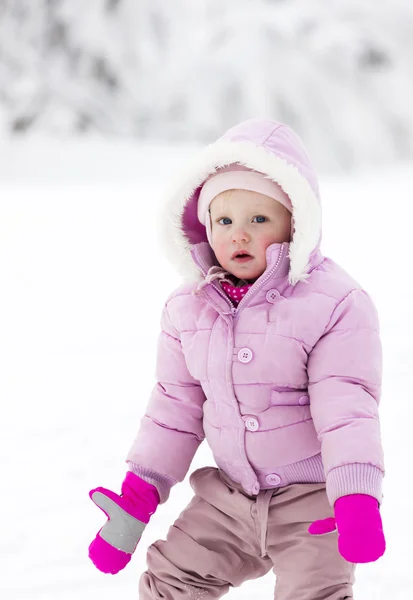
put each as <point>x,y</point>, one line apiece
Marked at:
<point>128,515</point>
<point>360,530</point>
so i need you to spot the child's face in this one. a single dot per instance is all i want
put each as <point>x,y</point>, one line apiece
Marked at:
<point>244,220</point>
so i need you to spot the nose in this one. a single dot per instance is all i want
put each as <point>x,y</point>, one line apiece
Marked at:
<point>240,235</point>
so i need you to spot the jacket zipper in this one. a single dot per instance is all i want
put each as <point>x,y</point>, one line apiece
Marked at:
<point>252,290</point>
<point>234,313</point>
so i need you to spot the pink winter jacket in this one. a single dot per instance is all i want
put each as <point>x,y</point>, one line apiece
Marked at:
<point>285,387</point>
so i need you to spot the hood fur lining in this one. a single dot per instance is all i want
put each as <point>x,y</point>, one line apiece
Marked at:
<point>306,207</point>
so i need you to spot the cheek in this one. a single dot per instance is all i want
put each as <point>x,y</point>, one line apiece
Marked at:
<point>266,240</point>
<point>219,245</point>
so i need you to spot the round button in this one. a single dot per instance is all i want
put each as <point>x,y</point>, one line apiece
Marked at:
<point>245,355</point>
<point>304,400</point>
<point>273,479</point>
<point>255,488</point>
<point>251,423</point>
<point>272,295</point>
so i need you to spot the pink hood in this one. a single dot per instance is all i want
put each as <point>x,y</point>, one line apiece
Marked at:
<point>265,146</point>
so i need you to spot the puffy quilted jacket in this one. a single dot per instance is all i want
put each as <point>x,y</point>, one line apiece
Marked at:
<point>285,387</point>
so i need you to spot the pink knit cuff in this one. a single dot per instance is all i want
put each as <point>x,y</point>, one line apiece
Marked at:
<point>163,483</point>
<point>356,478</point>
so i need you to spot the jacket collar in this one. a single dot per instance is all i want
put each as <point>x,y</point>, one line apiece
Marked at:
<point>204,257</point>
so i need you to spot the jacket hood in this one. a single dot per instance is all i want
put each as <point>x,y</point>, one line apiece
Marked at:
<point>265,146</point>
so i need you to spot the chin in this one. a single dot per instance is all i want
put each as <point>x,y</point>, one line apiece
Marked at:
<point>248,275</point>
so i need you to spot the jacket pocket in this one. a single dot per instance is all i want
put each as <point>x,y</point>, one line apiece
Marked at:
<point>288,397</point>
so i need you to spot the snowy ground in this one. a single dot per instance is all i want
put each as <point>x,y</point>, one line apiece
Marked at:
<point>78,331</point>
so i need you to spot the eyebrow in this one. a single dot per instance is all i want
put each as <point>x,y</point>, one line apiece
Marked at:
<point>257,211</point>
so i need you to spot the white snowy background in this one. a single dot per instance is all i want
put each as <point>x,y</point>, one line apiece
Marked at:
<point>83,174</point>
<point>79,319</point>
<point>338,71</point>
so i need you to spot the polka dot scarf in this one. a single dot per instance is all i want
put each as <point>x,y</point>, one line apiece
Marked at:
<point>235,293</point>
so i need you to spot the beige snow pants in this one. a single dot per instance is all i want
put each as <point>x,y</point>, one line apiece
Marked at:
<point>225,537</point>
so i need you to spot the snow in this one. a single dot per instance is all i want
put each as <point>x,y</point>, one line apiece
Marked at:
<point>78,246</point>
<point>337,71</point>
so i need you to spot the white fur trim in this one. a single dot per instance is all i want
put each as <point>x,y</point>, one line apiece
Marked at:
<point>306,207</point>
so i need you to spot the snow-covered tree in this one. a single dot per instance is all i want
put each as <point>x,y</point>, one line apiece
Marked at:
<point>338,71</point>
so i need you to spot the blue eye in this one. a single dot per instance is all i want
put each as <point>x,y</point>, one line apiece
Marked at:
<point>228,220</point>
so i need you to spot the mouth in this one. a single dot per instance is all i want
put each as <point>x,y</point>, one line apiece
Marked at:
<point>241,256</point>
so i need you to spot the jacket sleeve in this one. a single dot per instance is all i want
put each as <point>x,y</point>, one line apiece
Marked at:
<point>172,427</point>
<point>344,384</point>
